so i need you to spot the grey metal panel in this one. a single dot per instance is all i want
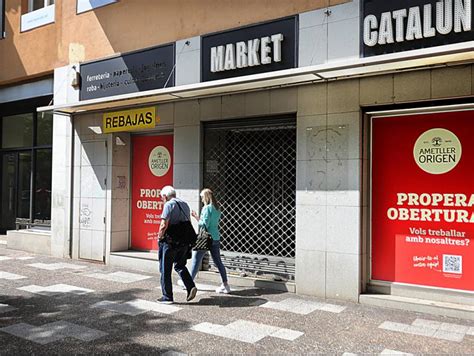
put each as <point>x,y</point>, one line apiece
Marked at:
<point>27,90</point>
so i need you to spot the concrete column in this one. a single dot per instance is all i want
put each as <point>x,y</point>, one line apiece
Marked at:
<point>61,166</point>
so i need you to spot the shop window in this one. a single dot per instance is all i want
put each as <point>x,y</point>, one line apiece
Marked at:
<point>25,165</point>
<point>17,131</point>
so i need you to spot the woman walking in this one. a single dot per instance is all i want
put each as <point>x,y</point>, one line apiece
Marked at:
<point>209,219</point>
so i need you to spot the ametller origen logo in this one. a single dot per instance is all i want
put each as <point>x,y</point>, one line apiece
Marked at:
<point>159,161</point>
<point>437,151</point>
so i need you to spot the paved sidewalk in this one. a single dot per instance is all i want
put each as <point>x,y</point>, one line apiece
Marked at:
<point>58,306</point>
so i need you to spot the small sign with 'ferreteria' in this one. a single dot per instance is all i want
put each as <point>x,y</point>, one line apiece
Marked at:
<point>135,119</point>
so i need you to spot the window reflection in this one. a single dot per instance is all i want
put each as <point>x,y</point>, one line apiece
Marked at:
<point>17,131</point>
<point>44,129</point>
<point>43,185</point>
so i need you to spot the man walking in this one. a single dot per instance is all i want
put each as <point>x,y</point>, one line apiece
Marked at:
<point>169,253</point>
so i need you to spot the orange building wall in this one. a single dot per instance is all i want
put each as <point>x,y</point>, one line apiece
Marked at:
<point>125,26</point>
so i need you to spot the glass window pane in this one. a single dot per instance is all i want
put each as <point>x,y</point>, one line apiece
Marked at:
<point>37,4</point>
<point>43,184</point>
<point>45,129</point>
<point>24,184</point>
<point>17,131</point>
<point>8,191</point>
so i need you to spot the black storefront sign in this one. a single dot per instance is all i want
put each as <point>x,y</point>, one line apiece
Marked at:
<point>389,26</point>
<point>249,50</point>
<point>129,73</point>
<point>2,19</point>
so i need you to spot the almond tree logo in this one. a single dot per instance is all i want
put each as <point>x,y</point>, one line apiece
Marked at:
<point>437,141</point>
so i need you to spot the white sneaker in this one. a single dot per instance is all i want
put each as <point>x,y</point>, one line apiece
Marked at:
<point>181,284</point>
<point>223,289</point>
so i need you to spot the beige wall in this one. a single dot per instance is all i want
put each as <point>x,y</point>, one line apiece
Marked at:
<point>125,26</point>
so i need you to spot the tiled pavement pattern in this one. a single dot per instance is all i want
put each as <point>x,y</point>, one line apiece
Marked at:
<point>136,307</point>
<point>48,311</point>
<point>247,331</point>
<point>302,307</point>
<point>52,332</point>
<point>431,328</point>
<point>56,266</point>
<point>121,277</point>
<point>384,352</point>
<point>10,276</point>
<point>21,258</point>
<point>55,289</point>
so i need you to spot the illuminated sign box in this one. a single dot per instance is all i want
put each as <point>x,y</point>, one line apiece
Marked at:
<point>249,50</point>
<point>390,26</point>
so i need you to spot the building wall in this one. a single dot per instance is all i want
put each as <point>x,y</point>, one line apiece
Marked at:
<point>125,26</point>
<point>333,219</point>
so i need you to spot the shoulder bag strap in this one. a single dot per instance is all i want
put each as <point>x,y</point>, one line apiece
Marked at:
<point>182,211</point>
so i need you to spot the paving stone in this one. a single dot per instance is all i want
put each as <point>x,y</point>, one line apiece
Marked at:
<point>470,331</point>
<point>25,258</point>
<point>303,307</point>
<point>76,331</point>
<point>5,308</point>
<point>208,328</point>
<point>56,266</point>
<point>10,276</point>
<point>154,306</point>
<point>136,307</point>
<point>287,334</point>
<point>247,331</point>
<point>121,277</point>
<point>53,332</point>
<point>394,352</point>
<point>117,307</point>
<point>55,289</point>
<point>173,353</point>
<point>448,335</point>
<point>427,323</point>
<point>455,328</point>
<point>419,330</point>
<point>5,258</point>
<point>389,325</point>
<point>29,332</point>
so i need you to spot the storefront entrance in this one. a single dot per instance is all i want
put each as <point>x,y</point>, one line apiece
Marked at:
<point>423,199</point>
<point>251,166</point>
<point>25,161</point>
<point>16,191</point>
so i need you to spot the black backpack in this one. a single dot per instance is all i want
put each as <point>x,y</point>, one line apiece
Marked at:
<point>182,233</point>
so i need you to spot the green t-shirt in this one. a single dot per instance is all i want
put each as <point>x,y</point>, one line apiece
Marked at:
<point>210,217</point>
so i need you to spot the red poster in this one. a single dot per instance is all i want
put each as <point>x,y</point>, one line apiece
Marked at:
<point>423,199</point>
<point>152,169</point>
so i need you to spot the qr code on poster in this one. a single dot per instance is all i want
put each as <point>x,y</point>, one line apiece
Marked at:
<point>452,264</point>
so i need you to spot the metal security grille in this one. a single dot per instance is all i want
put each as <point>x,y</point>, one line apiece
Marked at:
<point>252,170</point>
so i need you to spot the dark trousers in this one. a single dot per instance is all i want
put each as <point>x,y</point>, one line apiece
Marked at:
<point>169,255</point>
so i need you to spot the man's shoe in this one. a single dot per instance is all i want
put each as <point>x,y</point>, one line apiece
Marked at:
<point>163,300</point>
<point>191,294</point>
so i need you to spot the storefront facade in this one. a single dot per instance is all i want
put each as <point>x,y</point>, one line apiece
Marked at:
<point>25,155</point>
<point>319,153</point>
